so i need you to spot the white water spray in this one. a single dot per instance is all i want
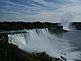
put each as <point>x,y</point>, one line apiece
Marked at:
<point>40,40</point>
<point>66,22</point>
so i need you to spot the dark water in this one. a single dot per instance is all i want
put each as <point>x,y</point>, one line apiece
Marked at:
<point>74,38</point>
<point>67,44</point>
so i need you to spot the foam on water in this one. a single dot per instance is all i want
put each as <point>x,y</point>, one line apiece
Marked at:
<point>40,40</point>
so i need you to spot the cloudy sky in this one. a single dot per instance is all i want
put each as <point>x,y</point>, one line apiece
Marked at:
<point>40,10</point>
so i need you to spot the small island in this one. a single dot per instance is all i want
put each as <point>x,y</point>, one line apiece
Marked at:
<point>52,27</point>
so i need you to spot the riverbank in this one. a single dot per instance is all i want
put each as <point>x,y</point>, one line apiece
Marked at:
<point>28,25</point>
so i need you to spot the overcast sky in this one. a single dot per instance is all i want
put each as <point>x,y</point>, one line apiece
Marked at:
<point>40,10</point>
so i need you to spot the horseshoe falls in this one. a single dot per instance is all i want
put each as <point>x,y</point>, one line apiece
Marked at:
<point>41,40</point>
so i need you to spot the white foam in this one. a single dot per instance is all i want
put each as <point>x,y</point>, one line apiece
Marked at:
<point>40,40</point>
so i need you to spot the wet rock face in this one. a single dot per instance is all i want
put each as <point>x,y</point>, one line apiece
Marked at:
<point>10,52</point>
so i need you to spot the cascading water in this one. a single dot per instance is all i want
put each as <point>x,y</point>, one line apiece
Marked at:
<point>40,40</point>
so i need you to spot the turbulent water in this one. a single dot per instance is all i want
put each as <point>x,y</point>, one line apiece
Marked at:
<point>40,40</point>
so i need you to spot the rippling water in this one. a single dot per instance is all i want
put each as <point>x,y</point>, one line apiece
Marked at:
<point>39,40</point>
<point>74,38</point>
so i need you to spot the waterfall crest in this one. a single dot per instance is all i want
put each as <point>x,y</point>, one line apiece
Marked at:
<point>40,40</point>
<point>36,40</point>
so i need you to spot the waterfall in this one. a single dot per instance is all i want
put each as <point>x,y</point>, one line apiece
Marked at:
<point>36,40</point>
<point>40,40</point>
